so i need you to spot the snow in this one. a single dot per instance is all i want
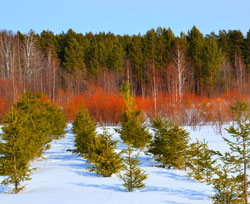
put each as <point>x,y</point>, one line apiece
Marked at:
<point>63,178</point>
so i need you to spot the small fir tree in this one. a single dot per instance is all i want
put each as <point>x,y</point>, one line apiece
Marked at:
<point>85,130</point>
<point>134,176</point>
<point>238,157</point>
<point>133,130</point>
<point>41,123</point>
<point>106,161</point>
<point>225,186</point>
<point>169,144</point>
<point>201,162</point>
<point>15,150</point>
<point>57,121</point>
<point>27,130</point>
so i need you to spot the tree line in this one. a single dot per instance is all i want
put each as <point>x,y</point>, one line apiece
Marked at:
<point>153,62</point>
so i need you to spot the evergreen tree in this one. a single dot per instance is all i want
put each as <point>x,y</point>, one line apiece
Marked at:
<point>235,42</point>
<point>169,144</point>
<point>27,130</point>
<point>136,59</point>
<point>56,120</point>
<point>223,43</point>
<point>238,158</point>
<point>225,184</point>
<point>149,44</point>
<point>42,121</point>
<point>98,150</point>
<point>201,162</point>
<point>134,176</point>
<point>164,44</point>
<point>73,53</point>
<point>195,50</point>
<point>133,131</point>
<point>247,51</point>
<point>211,64</point>
<point>85,130</point>
<point>105,160</point>
<point>47,40</point>
<point>15,149</point>
<point>116,58</point>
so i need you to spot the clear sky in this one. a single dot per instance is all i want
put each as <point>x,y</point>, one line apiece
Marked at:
<point>124,16</point>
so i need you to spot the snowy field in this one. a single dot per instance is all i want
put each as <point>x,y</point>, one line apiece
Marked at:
<point>62,178</point>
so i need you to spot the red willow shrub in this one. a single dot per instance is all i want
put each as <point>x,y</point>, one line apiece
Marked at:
<point>105,108</point>
<point>193,110</point>
<point>2,108</point>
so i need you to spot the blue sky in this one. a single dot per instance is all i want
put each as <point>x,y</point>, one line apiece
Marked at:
<point>124,16</point>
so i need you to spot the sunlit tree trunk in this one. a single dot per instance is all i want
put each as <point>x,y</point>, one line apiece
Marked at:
<point>179,62</point>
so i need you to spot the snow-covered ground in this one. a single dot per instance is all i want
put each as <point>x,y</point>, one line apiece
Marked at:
<point>63,178</point>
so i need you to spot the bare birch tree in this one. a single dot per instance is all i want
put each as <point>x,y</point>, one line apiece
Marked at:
<point>179,62</point>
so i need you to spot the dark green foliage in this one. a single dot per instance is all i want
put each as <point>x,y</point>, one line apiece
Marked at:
<point>73,52</point>
<point>94,54</point>
<point>133,131</point>
<point>211,63</point>
<point>105,160</point>
<point>235,41</point>
<point>247,52</point>
<point>46,41</point>
<point>164,44</point>
<point>170,143</point>
<point>136,58</point>
<point>201,162</point>
<point>85,130</point>
<point>134,176</point>
<point>149,44</point>
<point>195,51</point>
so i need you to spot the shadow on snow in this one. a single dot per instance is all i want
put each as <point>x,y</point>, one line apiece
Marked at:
<point>185,193</point>
<point>174,176</point>
<point>116,187</point>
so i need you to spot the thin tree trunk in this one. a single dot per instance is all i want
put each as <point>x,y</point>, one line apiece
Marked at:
<point>154,89</point>
<point>245,172</point>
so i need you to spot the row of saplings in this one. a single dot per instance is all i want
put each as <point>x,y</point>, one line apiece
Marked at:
<point>170,146</point>
<point>32,123</point>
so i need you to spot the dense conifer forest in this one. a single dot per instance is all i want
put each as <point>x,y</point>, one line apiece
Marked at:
<point>182,77</point>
